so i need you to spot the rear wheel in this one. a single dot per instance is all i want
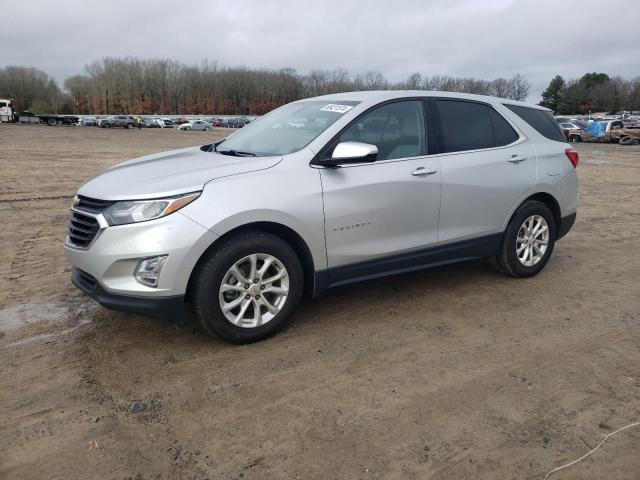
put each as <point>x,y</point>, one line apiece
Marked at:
<point>247,289</point>
<point>52,122</point>
<point>528,240</point>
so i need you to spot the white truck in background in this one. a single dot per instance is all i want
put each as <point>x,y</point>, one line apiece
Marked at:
<point>6,110</point>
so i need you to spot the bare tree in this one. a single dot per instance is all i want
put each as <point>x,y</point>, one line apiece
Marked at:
<point>500,87</point>
<point>519,87</point>
<point>29,88</point>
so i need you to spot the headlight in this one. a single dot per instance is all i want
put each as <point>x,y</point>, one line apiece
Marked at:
<point>133,211</point>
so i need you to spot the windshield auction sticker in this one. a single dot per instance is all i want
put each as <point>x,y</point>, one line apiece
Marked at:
<point>336,108</point>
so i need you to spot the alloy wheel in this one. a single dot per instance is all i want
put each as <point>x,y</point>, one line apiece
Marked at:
<point>532,240</point>
<point>254,290</point>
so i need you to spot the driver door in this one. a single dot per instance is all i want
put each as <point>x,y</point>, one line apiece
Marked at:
<point>386,208</point>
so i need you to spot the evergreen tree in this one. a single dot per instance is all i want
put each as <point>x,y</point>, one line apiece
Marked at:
<point>552,96</point>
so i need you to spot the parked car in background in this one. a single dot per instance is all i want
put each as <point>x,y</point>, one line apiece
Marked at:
<point>152,123</point>
<point>631,122</point>
<point>149,123</point>
<point>235,123</point>
<point>122,121</point>
<point>375,183</point>
<point>217,122</point>
<point>574,130</point>
<point>196,125</point>
<point>603,131</point>
<point>88,121</point>
<point>168,123</point>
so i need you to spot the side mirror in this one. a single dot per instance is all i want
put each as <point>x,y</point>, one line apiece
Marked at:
<point>352,152</point>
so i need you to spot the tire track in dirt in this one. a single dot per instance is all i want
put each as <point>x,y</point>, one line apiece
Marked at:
<point>28,199</point>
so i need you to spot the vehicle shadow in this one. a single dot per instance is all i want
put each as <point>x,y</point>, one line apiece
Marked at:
<point>372,300</point>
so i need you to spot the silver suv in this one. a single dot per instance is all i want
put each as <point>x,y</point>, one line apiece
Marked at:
<point>318,193</point>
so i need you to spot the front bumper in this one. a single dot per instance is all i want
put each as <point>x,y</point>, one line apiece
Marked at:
<point>169,309</point>
<point>116,251</point>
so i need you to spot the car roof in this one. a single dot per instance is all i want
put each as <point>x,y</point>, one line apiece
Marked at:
<point>377,96</point>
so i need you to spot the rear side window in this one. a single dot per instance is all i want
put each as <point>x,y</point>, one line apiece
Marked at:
<point>541,120</point>
<point>465,125</point>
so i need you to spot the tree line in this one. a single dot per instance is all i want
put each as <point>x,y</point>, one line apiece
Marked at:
<point>149,86</point>
<point>593,92</point>
<point>164,86</point>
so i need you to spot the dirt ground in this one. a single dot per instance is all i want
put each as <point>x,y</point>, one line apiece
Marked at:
<point>455,372</point>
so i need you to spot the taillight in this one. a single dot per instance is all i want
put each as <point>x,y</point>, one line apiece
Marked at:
<point>573,156</point>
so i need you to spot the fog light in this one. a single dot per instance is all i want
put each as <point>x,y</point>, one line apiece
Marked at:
<point>148,271</point>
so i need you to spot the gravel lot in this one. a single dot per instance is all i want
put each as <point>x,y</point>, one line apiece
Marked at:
<point>455,372</point>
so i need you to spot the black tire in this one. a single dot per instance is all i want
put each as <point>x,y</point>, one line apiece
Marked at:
<point>52,122</point>
<point>628,140</point>
<point>108,125</point>
<point>507,262</point>
<point>575,138</point>
<point>211,273</point>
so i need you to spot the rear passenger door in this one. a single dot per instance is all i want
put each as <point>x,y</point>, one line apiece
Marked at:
<point>488,166</point>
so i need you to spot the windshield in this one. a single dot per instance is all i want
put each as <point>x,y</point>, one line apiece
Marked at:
<point>286,130</point>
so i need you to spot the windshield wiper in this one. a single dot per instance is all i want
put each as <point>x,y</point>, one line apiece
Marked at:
<point>236,153</point>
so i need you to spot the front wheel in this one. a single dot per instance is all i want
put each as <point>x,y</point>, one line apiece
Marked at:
<point>528,240</point>
<point>248,288</point>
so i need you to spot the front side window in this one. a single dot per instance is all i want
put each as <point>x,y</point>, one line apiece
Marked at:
<point>465,125</point>
<point>397,129</point>
<point>286,130</point>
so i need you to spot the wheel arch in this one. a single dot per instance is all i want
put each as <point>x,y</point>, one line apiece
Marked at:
<point>549,200</point>
<point>285,233</point>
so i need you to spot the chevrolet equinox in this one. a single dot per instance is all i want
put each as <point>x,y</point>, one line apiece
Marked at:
<point>318,193</point>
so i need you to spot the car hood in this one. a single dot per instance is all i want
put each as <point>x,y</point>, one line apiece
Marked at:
<point>169,173</point>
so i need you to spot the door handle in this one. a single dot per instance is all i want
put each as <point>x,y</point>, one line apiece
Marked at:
<point>517,159</point>
<point>422,172</point>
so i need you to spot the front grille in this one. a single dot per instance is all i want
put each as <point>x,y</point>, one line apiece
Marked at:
<point>82,229</point>
<point>92,205</point>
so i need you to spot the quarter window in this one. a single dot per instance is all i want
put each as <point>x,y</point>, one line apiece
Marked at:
<point>503,132</point>
<point>397,129</point>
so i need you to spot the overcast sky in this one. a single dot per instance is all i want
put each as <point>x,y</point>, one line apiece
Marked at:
<point>479,38</point>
